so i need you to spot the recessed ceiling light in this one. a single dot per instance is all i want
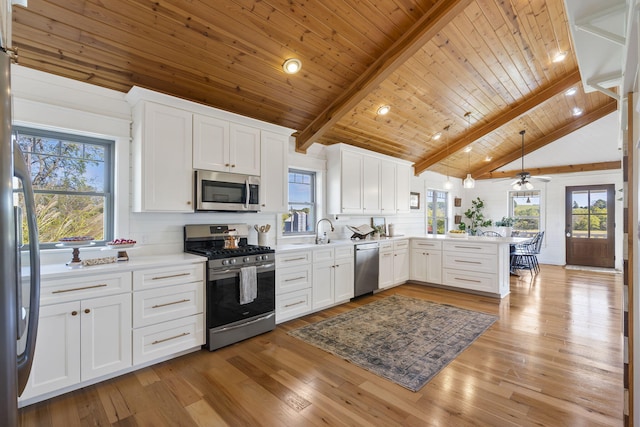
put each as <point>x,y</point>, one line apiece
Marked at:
<point>571,91</point>
<point>292,65</point>
<point>576,111</point>
<point>488,159</point>
<point>437,136</point>
<point>466,150</point>
<point>384,110</point>
<point>560,56</point>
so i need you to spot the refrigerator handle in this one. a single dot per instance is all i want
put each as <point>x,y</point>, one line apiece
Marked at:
<point>20,310</point>
<point>25,359</point>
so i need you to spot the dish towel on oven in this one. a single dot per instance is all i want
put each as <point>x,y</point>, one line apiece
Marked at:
<point>248,284</point>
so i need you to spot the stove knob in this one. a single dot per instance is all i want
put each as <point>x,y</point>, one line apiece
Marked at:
<point>258,258</point>
<point>232,261</point>
<point>246,259</point>
<point>225,262</point>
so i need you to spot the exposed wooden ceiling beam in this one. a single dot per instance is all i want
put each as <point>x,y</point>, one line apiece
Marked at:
<point>404,48</point>
<point>553,170</point>
<point>486,170</point>
<point>512,113</point>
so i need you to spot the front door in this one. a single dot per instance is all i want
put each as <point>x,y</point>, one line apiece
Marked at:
<point>590,213</point>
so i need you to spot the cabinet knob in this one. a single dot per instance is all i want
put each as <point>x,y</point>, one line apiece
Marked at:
<point>263,205</point>
<point>189,202</point>
<point>86,310</point>
<point>233,166</point>
<point>74,313</point>
<point>227,164</point>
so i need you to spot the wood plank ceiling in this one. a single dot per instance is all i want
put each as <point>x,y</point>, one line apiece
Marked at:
<point>431,61</point>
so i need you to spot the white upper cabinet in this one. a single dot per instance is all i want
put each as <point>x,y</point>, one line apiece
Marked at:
<point>210,143</point>
<point>162,170</point>
<point>274,183</point>
<point>219,145</point>
<point>362,182</point>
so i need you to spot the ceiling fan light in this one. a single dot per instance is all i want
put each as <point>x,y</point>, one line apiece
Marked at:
<point>517,186</point>
<point>528,185</point>
<point>469,182</point>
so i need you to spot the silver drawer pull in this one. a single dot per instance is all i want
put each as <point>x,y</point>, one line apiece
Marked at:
<point>294,304</point>
<point>294,259</point>
<point>102,285</point>
<point>469,247</point>
<point>170,303</point>
<point>171,276</point>
<point>295,278</point>
<point>171,338</point>
<point>467,262</point>
<point>467,280</point>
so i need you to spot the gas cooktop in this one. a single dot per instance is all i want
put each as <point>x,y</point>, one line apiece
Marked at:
<point>220,253</point>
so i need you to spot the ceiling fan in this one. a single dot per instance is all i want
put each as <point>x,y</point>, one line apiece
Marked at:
<point>523,181</point>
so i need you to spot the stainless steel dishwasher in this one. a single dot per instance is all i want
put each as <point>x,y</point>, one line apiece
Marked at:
<point>367,266</point>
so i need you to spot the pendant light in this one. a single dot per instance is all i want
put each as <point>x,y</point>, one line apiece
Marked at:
<point>448,185</point>
<point>468,181</point>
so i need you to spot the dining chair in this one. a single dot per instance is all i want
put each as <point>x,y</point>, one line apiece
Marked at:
<point>525,256</point>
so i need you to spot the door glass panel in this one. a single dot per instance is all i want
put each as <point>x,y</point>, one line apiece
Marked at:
<point>580,214</point>
<point>598,214</point>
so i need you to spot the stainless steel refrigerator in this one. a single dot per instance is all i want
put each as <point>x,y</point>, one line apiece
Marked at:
<point>19,305</point>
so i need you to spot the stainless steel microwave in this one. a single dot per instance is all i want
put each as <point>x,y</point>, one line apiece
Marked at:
<point>222,191</point>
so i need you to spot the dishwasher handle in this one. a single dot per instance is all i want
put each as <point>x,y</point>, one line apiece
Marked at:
<point>367,246</point>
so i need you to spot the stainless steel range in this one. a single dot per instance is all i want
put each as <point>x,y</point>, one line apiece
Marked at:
<point>240,291</point>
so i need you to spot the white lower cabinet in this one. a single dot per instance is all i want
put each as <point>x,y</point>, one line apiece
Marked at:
<point>333,270</point>
<point>168,311</point>
<point>426,261</point>
<point>293,285</point>
<point>400,261</point>
<point>385,275</point>
<point>83,338</point>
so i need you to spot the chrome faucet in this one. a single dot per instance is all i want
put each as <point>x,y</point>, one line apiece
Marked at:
<point>318,240</point>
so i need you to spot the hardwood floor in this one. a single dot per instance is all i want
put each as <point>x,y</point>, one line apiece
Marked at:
<point>554,358</point>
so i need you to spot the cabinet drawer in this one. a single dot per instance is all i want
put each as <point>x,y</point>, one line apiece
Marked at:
<point>471,247</point>
<point>168,303</point>
<point>165,276</point>
<point>400,244</point>
<point>322,255</point>
<point>471,280</point>
<point>164,339</point>
<point>344,251</point>
<point>471,262</point>
<point>293,279</point>
<point>386,246</point>
<point>426,244</point>
<point>293,259</point>
<point>292,305</point>
<point>76,288</point>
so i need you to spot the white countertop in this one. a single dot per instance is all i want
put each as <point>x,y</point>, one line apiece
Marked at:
<point>51,271</point>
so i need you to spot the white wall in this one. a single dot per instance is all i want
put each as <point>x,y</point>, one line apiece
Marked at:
<point>495,195</point>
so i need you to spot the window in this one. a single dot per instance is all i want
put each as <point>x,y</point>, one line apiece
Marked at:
<point>525,207</point>
<point>437,208</point>
<point>301,217</point>
<point>72,184</point>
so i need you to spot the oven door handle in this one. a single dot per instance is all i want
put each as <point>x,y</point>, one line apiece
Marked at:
<point>237,270</point>
<point>259,319</point>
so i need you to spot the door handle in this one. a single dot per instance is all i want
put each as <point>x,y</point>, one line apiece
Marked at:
<point>568,234</point>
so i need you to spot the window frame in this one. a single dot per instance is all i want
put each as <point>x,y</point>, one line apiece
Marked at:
<point>525,193</point>
<point>313,204</point>
<point>432,201</point>
<point>109,176</point>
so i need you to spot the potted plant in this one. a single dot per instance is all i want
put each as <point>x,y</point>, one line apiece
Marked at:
<point>476,217</point>
<point>507,222</point>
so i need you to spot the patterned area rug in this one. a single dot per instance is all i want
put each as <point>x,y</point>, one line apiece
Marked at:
<point>405,340</point>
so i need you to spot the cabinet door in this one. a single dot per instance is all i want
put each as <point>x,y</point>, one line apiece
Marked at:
<point>403,179</point>
<point>401,265</point>
<point>385,277</point>
<point>210,143</point>
<point>370,185</point>
<point>418,265</point>
<point>56,363</point>
<point>105,335</point>
<point>274,184</point>
<point>244,149</point>
<point>343,279</point>
<point>323,285</point>
<point>434,267</point>
<point>351,182</point>
<point>388,188</point>
<point>166,181</point>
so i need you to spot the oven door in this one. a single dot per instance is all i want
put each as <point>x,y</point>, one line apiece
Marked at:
<point>223,295</point>
<point>220,191</point>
